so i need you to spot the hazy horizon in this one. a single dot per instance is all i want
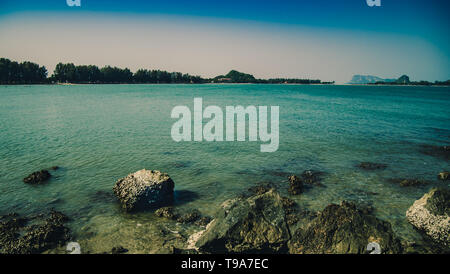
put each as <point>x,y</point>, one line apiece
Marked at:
<point>327,40</point>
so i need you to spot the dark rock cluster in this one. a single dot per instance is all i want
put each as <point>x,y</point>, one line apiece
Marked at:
<point>261,223</point>
<point>17,237</point>
<point>37,177</point>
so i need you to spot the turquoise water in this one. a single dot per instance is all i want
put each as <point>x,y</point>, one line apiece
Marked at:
<point>100,133</point>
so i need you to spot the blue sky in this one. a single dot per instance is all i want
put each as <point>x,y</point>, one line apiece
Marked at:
<point>333,39</point>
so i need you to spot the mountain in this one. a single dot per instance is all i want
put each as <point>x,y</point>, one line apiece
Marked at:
<point>368,79</point>
<point>235,77</point>
<point>404,79</point>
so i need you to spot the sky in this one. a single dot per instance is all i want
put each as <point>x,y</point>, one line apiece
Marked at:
<point>331,40</point>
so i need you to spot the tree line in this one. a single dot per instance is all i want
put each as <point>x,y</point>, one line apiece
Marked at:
<point>12,72</point>
<point>70,73</point>
<point>404,80</point>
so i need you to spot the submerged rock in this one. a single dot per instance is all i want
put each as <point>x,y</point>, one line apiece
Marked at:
<point>444,176</point>
<point>436,151</point>
<point>189,217</point>
<point>166,212</point>
<point>308,178</point>
<point>371,166</point>
<point>312,177</point>
<point>203,221</point>
<point>17,238</point>
<point>256,224</point>
<point>409,182</point>
<point>37,177</point>
<point>344,229</point>
<point>295,185</point>
<point>118,250</point>
<point>431,214</point>
<point>260,188</point>
<point>144,189</point>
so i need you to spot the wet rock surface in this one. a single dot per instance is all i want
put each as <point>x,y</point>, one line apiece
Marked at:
<point>444,176</point>
<point>32,235</point>
<point>166,212</point>
<point>312,177</point>
<point>264,221</point>
<point>431,215</point>
<point>144,189</point>
<point>343,229</point>
<point>295,185</point>
<point>306,180</point>
<point>190,217</point>
<point>256,224</point>
<point>37,177</point>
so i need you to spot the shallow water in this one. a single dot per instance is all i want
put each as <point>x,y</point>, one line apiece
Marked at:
<point>100,133</point>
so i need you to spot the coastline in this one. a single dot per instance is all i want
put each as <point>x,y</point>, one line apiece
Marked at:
<point>282,84</point>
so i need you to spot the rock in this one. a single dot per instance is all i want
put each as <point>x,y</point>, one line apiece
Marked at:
<point>431,215</point>
<point>312,177</point>
<point>371,166</point>
<point>189,217</point>
<point>17,238</point>
<point>37,177</point>
<point>260,188</point>
<point>203,221</point>
<point>409,182</point>
<point>343,229</point>
<point>166,212</point>
<point>256,224</point>
<point>295,185</point>
<point>444,176</point>
<point>144,189</point>
<point>54,168</point>
<point>118,250</point>
<point>436,151</point>
<point>193,216</point>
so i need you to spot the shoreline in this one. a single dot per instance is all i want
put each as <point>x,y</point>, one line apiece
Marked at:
<point>221,84</point>
<point>198,233</point>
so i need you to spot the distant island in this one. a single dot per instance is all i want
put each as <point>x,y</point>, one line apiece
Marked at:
<point>402,80</point>
<point>368,79</point>
<point>12,72</point>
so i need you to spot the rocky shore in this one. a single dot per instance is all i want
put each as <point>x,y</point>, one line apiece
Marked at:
<point>263,221</point>
<point>260,220</point>
<point>29,235</point>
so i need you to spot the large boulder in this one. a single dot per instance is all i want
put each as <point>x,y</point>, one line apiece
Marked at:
<point>343,229</point>
<point>431,215</point>
<point>255,224</point>
<point>144,189</point>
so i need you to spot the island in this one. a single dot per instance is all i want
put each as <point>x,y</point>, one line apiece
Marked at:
<point>402,81</point>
